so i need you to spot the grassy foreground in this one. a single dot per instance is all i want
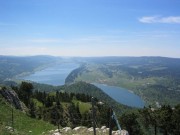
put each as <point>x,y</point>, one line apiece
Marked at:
<point>23,124</point>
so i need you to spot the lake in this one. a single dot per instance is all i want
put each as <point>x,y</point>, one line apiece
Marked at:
<point>122,95</point>
<point>56,75</point>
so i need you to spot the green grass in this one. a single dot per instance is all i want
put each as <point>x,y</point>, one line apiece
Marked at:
<point>22,123</point>
<point>83,107</point>
<point>38,104</point>
<point>52,93</point>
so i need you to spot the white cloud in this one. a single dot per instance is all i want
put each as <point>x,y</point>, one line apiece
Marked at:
<point>159,19</point>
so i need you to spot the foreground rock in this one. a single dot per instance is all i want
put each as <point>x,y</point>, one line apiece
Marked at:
<point>85,131</point>
<point>12,98</point>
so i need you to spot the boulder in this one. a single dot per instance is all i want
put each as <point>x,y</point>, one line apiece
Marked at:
<point>57,133</point>
<point>90,129</point>
<point>103,127</point>
<point>66,129</point>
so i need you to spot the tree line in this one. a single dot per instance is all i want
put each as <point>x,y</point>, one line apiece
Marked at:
<point>60,108</point>
<point>63,109</point>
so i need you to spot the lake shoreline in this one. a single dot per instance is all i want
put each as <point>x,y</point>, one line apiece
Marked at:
<point>55,75</point>
<point>123,93</point>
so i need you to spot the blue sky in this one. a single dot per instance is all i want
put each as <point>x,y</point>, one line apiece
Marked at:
<point>90,27</point>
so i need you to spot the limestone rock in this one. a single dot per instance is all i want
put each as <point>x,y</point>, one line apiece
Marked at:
<point>12,98</point>
<point>103,127</point>
<point>66,129</point>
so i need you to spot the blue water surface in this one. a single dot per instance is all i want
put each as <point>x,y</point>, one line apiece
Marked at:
<point>54,75</point>
<point>122,95</point>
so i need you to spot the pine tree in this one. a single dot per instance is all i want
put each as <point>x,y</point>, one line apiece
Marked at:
<point>165,118</point>
<point>130,123</point>
<point>32,109</point>
<point>176,120</point>
<point>150,118</point>
<point>25,91</point>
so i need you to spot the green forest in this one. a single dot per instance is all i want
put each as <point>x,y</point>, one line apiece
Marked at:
<point>61,109</point>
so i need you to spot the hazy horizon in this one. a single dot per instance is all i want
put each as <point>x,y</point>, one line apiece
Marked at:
<point>83,56</point>
<point>91,28</point>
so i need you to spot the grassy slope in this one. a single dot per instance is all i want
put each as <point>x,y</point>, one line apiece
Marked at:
<point>22,123</point>
<point>83,107</point>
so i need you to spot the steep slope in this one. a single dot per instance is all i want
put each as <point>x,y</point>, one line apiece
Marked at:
<point>12,98</point>
<point>10,118</point>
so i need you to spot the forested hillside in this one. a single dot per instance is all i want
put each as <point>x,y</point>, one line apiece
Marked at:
<point>75,99</point>
<point>155,79</point>
<point>59,108</point>
<point>10,66</point>
<point>75,109</point>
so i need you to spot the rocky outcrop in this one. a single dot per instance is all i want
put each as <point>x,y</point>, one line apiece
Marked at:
<point>12,98</point>
<point>86,131</point>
